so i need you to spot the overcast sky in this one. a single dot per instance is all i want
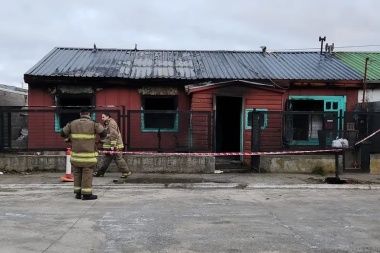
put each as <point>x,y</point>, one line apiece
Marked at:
<point>30,29</point>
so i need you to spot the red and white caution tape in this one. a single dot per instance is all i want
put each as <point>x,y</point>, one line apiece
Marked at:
<point>221,153</point>
<point>366,138</point>
<point>236,153</point>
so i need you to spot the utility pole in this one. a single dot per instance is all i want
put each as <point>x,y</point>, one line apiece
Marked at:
<point>365,82</point>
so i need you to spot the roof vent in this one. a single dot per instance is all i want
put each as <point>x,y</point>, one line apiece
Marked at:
<point>263,49</point>
<point>329,48</point>
<point>95,49</point>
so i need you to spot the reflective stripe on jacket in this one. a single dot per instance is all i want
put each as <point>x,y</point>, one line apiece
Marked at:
<point>82,134</point>
<point>114,136</point>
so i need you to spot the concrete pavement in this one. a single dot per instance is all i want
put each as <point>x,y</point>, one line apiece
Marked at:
<point>225,180</point>
<point>50,220</point>
<point>190,213</point>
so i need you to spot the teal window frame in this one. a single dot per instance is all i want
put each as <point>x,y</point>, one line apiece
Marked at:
<point>174,110</point>
<point>57,127</point>
<point>341,102</point>
<point>162,130</point>
<point>248,110</point>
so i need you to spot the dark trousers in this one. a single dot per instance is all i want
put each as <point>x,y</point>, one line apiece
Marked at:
<point>83,179</point>
<point>106,160</point>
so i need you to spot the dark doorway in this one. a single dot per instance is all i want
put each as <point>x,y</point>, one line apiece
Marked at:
<point>228,124</point>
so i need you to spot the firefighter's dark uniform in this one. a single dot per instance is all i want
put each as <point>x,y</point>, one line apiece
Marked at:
<point>82,135</point>
<point>114,142</point>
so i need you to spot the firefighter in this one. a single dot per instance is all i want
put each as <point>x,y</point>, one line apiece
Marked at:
<point>82,134</point>
<point>114,142</point>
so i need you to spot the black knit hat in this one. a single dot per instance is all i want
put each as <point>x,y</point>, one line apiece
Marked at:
<point>106,113</point>
<point>85,110</point>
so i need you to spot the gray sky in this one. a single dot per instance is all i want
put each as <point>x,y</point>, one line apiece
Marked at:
<point>31,29</point>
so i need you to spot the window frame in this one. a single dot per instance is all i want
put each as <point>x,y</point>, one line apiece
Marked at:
<point>163,130</point>
<point>58,97</point>
<point>248,110</point>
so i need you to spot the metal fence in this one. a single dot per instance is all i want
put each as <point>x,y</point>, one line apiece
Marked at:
<point>365,123</point>
<point>176,131</point>
<point>293,130</point>
<point>38,128</point>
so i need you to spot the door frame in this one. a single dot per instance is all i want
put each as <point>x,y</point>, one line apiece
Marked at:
<point>241,134</point>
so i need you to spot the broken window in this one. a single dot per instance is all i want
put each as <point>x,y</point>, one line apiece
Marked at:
<point>160,114</point>
<point>312,115</point>
<point>263,118</point>
<point>71,102</point>
<point>307,125</point>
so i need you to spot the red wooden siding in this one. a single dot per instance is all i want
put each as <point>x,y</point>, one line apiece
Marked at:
<point>41,131</point>
<point>202,101</point>
<point>253,98</point>
<point>41,126</point>
<point>131,99</point>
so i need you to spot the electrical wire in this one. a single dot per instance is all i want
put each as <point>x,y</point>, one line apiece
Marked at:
<point>315,48</point>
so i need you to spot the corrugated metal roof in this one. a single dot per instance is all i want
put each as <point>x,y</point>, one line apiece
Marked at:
<point>145,64</point>
<point>356,60</point>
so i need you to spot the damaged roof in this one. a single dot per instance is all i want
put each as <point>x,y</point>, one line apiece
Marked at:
<point>191,65</point>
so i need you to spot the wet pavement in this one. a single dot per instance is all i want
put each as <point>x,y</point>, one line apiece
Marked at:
<point>227,180</point>
<point>229,212</point>
<point>47,218</point>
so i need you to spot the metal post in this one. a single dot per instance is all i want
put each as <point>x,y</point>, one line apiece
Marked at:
<point>9,129</point>
<point>337,164</point>
<point>210,135</point>
<point>255,140</point>
<point>365,83</point>
<point>214,137</point>
<point>123,117</point>
<point>159,139</point>
<point>322,40</point>
<point>2,130</point>
<point>190,132</point>
<point>129,130</point>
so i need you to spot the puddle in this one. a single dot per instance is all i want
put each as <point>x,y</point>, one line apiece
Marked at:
<point>160,180</point>
<point>157,180</point>
<point>333,180</point>
<point>8,190</point>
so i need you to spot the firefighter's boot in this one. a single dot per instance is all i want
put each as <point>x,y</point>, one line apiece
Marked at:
<point>89,197</point>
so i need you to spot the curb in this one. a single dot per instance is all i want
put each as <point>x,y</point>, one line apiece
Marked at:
<point>242,186</point>
<point>316,186</point>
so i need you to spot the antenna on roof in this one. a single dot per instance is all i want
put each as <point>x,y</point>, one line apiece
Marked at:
<point>263,49</point>
<point>322,40</point>
<point>135,47</point>
<point>329,48</point>
<point>95,49</point>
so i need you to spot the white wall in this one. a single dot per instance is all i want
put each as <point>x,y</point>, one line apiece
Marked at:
<point>372,95</point>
